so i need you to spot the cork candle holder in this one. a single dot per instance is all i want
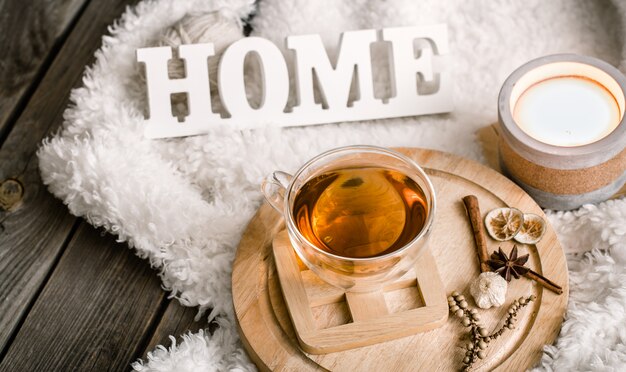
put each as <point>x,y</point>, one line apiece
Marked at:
<point>563,136</point>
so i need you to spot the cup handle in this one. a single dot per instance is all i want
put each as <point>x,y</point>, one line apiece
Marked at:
<point>274,187</point>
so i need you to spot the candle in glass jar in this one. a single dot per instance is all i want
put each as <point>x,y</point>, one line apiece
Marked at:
<point>563,131</point>
<point>567,111</point>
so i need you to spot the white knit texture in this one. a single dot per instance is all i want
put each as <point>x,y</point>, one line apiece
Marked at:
<point>183,203</point>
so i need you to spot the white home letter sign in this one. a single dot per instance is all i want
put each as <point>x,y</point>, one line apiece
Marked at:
<point>354,63</point>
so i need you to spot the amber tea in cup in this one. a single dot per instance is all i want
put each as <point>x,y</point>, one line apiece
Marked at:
<point>360,212</point>
<point>357,216</point>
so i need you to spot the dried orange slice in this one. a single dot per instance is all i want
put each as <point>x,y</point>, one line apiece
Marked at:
<point>532,230</point>
<point>504,223</point>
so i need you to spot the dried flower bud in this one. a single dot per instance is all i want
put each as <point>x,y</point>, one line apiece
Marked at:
<point>480,339</point>
<point>488,290</point>
<point>482,331</point>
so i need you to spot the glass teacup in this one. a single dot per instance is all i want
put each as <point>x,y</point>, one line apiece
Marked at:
<point>357,216</point>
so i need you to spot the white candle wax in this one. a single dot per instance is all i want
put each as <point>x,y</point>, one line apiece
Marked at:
<point>567,111</point>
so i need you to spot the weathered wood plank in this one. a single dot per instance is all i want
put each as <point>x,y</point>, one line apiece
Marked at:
<point>30,35</point>
<point>93,312</point>
<point>34,232</point>
<point>176,321</point>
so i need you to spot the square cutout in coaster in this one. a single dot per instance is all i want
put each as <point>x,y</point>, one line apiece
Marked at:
<point>331,315</point>
<point>403,299</point>
<point>327,319</point>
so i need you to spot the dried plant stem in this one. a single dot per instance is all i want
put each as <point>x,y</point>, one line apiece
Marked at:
<point>479,337</point>
<point>545,282</point>
<point>473,212</point>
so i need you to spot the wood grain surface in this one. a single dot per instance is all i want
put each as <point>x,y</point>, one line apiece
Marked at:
<point>93,313</point>
<point>70,297</point>
<point>30,36</point>
<point>270,338</point>
<point>176,321</point>
<point>35,232</point>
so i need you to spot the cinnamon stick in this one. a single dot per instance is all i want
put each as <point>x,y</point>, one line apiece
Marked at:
<point>545,282</point>
<point>473,212</point>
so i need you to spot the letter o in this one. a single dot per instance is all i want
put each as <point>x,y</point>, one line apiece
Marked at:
<point>274,76</point>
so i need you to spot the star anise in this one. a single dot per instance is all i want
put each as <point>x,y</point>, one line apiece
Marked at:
<point>507,266</point>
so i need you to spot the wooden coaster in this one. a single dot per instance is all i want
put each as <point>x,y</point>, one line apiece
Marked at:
<point>371,317</point>
<point>270,339</point>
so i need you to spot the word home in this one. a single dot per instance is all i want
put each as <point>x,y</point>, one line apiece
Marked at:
<point>414,57</point>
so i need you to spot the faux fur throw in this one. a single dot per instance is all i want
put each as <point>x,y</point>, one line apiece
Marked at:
<point>182,204</point>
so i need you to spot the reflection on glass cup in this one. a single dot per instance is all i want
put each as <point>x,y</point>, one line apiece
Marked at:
<point>357,216</point>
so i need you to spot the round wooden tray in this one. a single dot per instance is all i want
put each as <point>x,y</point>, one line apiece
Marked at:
<point>268,336</point>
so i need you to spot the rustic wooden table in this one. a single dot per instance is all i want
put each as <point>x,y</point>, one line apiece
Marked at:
<point>71,298</point>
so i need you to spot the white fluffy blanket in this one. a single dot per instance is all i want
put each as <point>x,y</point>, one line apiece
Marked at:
<point>182,203</point>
